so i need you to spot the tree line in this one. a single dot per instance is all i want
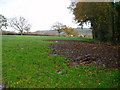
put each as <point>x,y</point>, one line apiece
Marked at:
<point>20,24</point>
<point>104,18</point>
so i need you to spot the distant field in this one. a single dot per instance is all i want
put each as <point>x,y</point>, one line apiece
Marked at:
<point>26,64</point>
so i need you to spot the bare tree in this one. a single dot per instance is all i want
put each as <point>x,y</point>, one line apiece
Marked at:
<point>3,22</point>
<point>58,27</point>
<point>20,24</point>
<point>27,28</point>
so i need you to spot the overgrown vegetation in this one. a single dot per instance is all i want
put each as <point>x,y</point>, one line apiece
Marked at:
<point>104,18</point>
<point>26,64</point>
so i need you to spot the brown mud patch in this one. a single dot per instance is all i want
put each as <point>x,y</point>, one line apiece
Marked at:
<point>79,52</point>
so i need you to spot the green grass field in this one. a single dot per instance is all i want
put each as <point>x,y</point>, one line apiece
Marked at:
<point>26,64</point>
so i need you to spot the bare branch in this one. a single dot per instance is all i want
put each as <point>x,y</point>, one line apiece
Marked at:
<point>20,24</point>
<point>3,22</point>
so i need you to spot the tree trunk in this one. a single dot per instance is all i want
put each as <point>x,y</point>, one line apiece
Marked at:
<point>21,33</point>
<point>59,34</point>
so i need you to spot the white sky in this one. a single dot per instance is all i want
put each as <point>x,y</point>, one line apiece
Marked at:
<point>42,14</point>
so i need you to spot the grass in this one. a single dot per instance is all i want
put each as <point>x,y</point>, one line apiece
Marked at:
<point>26,64</point>
<point>0,61</point>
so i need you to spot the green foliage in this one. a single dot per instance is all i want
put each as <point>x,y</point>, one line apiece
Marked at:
<point>102,16</point>
<point>26,64</point>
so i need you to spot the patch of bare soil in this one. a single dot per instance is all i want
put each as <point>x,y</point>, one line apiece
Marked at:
<point>84,52</point>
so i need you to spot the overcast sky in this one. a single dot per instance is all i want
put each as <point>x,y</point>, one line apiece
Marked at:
<point>42,14</point>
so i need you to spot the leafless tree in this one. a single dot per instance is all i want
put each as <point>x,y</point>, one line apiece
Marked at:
<point>20,24</point>
<point>58,27</point>
<point>3,21</point>
<point>27,28</point>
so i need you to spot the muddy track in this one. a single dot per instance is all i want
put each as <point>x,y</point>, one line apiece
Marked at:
<point>84,52</point>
